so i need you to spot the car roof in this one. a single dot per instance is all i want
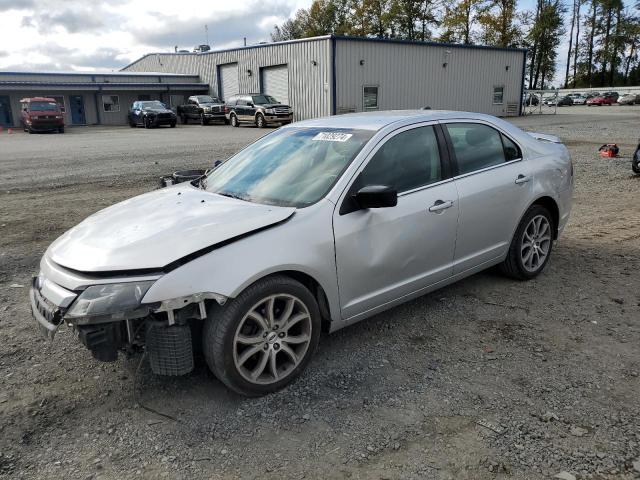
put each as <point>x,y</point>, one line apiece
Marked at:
<point>379,119</point>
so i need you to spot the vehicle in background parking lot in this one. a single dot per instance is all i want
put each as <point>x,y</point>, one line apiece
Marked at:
<point>530,99</point>
<point>203,108</point>
<point>41,114</point>
<point>629,99</point>
<point>315,226</point>
<point>580,100</point>
<point>150,114</point>
<point>601,100</point>
<point>559,101</point>
<point>613,95</point>
<point>257,108</point>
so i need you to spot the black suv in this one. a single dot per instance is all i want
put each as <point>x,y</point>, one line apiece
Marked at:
<point>257,108</point>
<point>150,113</point>
<point>202,108</point>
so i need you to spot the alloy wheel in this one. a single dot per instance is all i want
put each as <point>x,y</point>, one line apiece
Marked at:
<point>272,339</point>
<point>536,243</point>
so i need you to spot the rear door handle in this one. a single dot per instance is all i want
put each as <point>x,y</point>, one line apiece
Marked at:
<point>440,205</point>
<point>522,179</point>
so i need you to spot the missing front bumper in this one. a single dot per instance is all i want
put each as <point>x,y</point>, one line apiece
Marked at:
<point>48,317</point>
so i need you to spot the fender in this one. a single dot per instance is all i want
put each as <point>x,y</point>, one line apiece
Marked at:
<point>303,244</point>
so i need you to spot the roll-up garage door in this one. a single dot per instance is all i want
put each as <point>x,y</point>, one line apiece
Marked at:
<point>228,80</point>
<point>275,82</point>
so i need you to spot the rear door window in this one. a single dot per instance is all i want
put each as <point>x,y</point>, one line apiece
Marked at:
<point>477,146</point>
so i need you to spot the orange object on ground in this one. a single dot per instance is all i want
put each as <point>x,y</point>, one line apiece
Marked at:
<point>609,150</point>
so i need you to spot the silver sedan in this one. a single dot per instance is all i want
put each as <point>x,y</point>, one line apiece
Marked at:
<point>313,227</point>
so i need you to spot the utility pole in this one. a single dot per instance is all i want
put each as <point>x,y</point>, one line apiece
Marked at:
<point>206,32</point>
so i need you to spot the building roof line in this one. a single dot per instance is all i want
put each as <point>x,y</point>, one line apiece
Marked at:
<point>119,73</point>
<point>336,37</point>
<point>211,52</point>
<point>102,85</point>
<point>429,44</point>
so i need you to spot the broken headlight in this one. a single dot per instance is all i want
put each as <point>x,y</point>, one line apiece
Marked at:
<point>109,299</point>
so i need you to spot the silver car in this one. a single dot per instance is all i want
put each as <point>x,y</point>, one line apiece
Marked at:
<point>313,227</point>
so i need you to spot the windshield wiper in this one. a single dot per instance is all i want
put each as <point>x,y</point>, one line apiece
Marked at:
<point>231,195</point>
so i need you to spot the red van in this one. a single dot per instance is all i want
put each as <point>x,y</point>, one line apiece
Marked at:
<point>41,114</point>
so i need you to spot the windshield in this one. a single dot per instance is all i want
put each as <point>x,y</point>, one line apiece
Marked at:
<point>44,106</point>
<point>263,99</point>
<point>207,99</point>
<point>290,167</point>
<point>153,104</point>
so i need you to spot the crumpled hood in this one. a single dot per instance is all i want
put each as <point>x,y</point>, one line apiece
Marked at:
<point>155,229</point>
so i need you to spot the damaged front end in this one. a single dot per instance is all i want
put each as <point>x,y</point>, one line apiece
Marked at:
<point>109,317</point>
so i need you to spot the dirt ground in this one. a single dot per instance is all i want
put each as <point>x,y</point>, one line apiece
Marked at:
<point>488,378</point>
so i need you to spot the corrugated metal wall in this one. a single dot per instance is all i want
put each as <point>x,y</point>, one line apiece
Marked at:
<point>308,62</point>
<point>413,76</point>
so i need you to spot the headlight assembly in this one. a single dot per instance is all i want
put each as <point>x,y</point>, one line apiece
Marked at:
<point>270,111</point>
<point>116,299</point>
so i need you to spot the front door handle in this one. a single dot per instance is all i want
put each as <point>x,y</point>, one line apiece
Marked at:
<point>522,179</point>
<point>440,205</point>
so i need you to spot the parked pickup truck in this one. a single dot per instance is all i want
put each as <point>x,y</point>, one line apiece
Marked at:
<point>203,108</point>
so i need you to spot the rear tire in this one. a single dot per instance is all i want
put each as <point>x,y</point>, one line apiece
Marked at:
<point>234,121</point>
<point>248,343</point>
<point>61,130</point>
<point>172,124</point>
<point>635,166</point>
<point>184,119</point>
<point>531,245</point>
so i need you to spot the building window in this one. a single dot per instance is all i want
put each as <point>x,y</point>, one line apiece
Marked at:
<point>110,103</point>
<point>370,97</point>
<point>498,95</point>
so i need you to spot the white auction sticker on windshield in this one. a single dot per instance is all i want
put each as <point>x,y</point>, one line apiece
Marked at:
<point>333,136</point>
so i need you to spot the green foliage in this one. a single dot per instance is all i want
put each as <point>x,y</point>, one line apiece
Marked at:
<point>604,49</point>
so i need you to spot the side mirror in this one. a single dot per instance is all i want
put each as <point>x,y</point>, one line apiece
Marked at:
<point>376,196</point>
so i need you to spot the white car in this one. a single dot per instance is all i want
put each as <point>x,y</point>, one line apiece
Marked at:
<point>581,100</point>
<point>313,227</point>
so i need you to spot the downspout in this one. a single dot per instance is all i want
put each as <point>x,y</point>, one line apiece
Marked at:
<point>333,75</point>
<point>524,79</point>
<point>95,98</point>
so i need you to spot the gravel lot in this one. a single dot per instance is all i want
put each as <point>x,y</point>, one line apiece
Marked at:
<point>488,378</point>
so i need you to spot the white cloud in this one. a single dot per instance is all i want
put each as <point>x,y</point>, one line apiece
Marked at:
<point>105,35</point>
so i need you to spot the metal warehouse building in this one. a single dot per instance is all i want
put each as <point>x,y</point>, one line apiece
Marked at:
<point>93,98</point>
<point>331,75</point>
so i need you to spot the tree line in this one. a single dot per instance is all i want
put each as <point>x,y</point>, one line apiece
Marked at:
<point>603,36</point>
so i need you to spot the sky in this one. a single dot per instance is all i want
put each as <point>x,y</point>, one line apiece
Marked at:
<point>105,35</point>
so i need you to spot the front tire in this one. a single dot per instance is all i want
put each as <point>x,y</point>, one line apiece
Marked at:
<point>635,166</point>
<point>203,120</point>
<point>531,245</point>
<point>260,122</point>
<point>263,339</point>
<point>184,119</point>
<point>234,121</point>
<point>61,130</point>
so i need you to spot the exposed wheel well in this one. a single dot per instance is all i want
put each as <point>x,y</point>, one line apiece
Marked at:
<point>318,292</point>
<point>551,205</point>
